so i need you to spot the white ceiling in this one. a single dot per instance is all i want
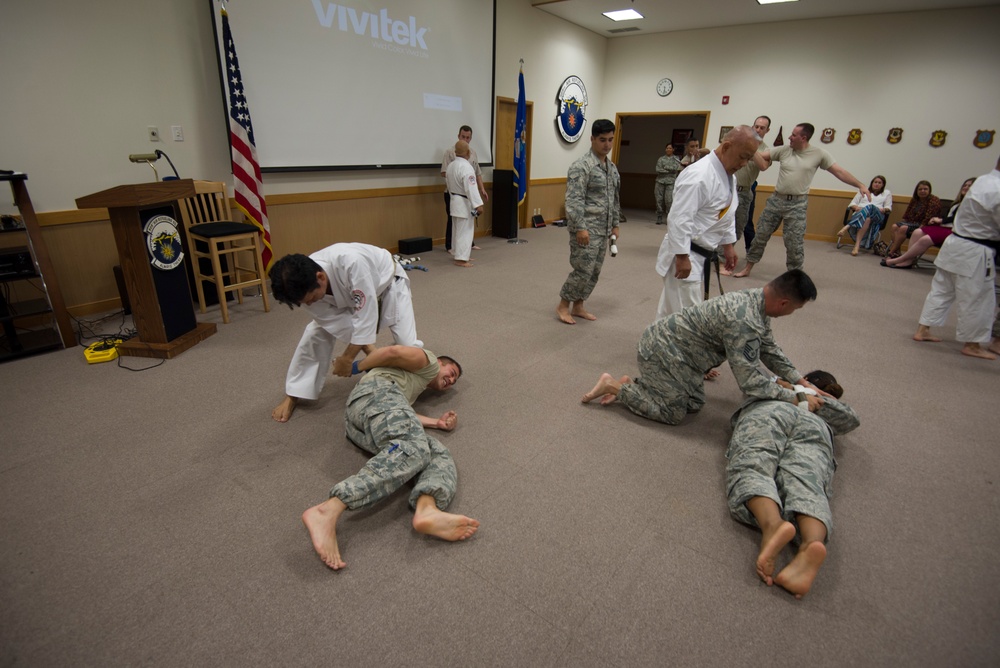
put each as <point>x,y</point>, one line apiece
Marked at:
<point>671,15</point>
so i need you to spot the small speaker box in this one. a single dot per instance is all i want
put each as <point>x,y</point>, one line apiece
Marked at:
<point>415,245</point>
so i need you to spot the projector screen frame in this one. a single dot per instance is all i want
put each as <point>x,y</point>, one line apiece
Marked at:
<point>220,61</point>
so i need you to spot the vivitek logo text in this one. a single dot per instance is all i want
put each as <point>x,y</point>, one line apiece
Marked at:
<point>380,26</point>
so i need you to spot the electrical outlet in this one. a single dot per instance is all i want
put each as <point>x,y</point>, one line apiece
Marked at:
<point>154,133</point>
<point>177,132</point>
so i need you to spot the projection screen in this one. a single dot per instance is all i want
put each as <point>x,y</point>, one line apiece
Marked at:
<point>363,84</point>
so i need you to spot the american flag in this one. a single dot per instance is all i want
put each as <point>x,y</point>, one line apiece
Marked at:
<point>246,169</point>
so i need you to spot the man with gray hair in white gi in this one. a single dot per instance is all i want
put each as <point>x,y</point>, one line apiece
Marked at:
<point>966,271</point>
<point>701,220</point>
<point>787,206</point>
<point>466,203</point>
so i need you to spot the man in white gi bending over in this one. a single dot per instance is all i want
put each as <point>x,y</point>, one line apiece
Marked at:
<point>350,290</point>
<point>465,203</point>
<point>701,219</point>
<point>966,271</point>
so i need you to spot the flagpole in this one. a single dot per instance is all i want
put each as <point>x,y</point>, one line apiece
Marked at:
<point>520,148</point>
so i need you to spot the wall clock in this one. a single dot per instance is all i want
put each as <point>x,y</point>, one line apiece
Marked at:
<point>664,87</point>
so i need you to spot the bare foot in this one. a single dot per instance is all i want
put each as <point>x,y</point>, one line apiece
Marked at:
<point>581,312</point>
<point>975,350</point>
<point>285,409</point>
<point>610,398</point>
<point>463,263</point>
<point>475,247</point>
<point>563,313</point>
<point>995,346</point>
<point>797,577</point>
<point>725,272</point>
<point>712,374</point>
<point>321,521</point>
<point>431,521</point>
<point>606,387</point>
<point>745,272</point>
<point>924,334</point>
<point>854,253</point>
<point>771,545</point>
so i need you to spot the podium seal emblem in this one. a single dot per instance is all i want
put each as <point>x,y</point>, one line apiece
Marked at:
<point>163,242</point>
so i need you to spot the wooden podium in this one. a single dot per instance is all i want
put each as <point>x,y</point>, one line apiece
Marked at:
<point>148,236</point>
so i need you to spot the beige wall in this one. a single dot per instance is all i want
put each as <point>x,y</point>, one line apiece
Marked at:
<point>88,80</point>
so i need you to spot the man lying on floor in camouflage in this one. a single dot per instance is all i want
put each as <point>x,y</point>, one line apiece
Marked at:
<point>675,352</point>
<point>780,471</point>
<point>381,420</point>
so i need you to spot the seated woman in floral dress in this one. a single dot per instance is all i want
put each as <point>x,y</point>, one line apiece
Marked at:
<point>932,234</point>
<point>923,206</point>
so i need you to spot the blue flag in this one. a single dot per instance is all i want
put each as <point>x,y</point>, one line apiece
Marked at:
<point>520,157</point>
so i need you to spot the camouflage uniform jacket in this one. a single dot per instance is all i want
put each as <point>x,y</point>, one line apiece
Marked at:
<point>731,328</point>
<point>592,196</point>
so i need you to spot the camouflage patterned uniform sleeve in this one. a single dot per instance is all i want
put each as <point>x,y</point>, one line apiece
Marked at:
<point>841,417</point>
<point>576,196</point>
<point>747,337</point>
<point>774,359</point>
<point>614,191</point>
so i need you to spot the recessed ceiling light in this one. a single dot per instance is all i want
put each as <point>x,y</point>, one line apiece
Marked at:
<point>773,2</point>
<point>623,15</point>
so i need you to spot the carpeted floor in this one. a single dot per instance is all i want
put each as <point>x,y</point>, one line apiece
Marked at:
<point>153,517</point>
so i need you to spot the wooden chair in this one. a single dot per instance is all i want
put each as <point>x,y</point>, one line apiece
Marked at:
<point>209,225</point>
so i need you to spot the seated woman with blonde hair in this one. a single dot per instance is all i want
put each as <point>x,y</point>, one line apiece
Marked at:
<point>923,206</point>
<point>868,217</point>
<point>932,234</point>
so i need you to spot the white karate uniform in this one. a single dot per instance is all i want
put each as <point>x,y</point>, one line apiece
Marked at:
<point>704,212</point>
<point>465,197</point>
<point>965,269</point>
<point>360,277</point>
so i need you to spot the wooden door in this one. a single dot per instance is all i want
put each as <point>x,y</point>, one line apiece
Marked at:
<point>503,155</point>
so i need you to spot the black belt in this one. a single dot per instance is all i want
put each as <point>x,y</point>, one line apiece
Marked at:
<point>990,243</point>
<point>459,195</point>
<point>711,257</point>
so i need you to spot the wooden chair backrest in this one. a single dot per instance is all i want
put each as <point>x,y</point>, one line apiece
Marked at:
<point>209,205</point>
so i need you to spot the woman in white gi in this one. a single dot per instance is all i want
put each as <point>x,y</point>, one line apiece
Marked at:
<point>780,470</point>
<point>466,203</point>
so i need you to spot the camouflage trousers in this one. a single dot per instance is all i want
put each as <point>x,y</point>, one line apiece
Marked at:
<point>743,211</point>
<point>586,262</point>
<point>667,389</point>
<point>664,194</point>
<point>783,453</point>
<point>791,214</point>
<point>380,420</point>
